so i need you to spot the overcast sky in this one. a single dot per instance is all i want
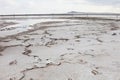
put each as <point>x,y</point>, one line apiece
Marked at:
<point>58,6</point>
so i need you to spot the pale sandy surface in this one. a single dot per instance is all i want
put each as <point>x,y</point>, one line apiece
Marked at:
<point>61,50</point>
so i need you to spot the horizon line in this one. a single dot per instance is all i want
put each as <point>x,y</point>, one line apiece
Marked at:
<point>52,14</point>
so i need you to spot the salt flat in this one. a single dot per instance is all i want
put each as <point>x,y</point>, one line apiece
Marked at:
<point>60,49</point>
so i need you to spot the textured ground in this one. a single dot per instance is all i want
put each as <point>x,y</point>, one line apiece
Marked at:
<point>61,50</point>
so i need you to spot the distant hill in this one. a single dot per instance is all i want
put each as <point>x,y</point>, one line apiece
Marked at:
<point>75,12</point>
<point>92,13</point>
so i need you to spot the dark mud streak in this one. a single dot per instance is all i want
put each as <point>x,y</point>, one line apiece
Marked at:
<point>49,65</point>
<point>99,40</point>
<point>32,30</point>
<point>90,18</point>
<point>2,48</point>
<point>22,76</point>
<point>4,24</point>
<point>35,67</point>
<point>46,66</point>
<point>114,26</point>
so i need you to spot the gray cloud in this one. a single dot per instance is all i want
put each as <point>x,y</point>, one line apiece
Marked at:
<point>58,6</point>
<point>105,2</point>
